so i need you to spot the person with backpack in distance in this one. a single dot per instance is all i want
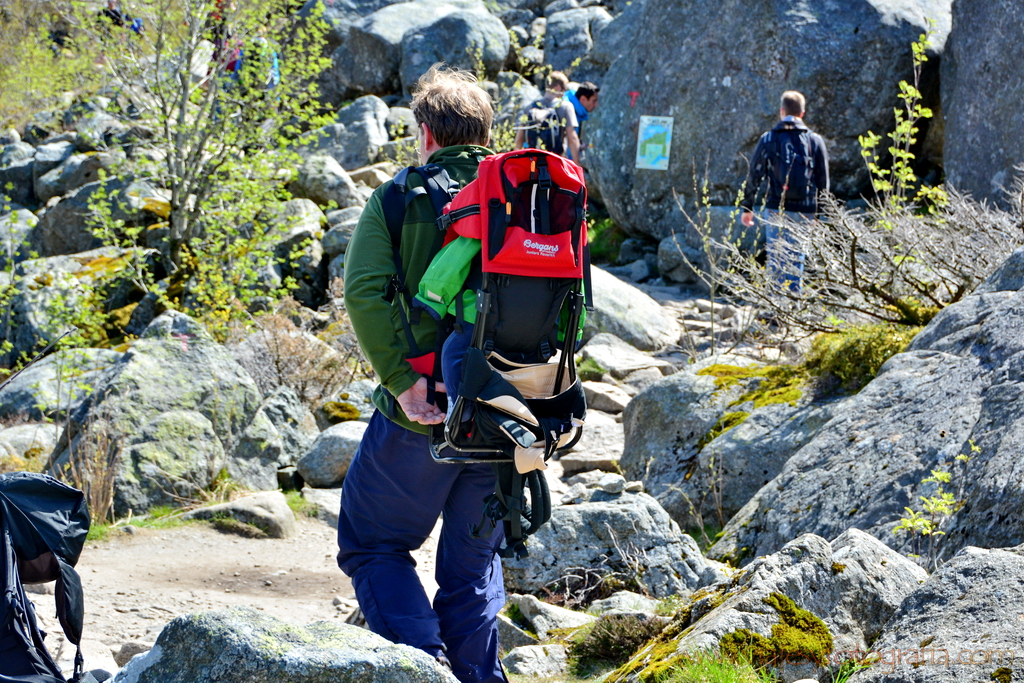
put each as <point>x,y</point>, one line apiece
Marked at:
<point>394,491</point>
<point>584,101</point>
<point>794,160</point>
<point>550,122</point>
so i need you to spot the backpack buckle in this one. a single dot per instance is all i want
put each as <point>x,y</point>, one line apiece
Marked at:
<point>444,221</point>
<point>393,287</point>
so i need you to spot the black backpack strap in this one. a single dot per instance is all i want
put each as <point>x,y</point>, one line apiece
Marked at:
<point>440,188</point>
<point>508,505</point>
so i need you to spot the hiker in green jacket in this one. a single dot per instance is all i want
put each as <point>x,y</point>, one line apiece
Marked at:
<point>394,491</point>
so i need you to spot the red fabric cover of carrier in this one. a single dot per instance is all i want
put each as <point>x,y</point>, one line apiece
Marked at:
<point>527,208</point>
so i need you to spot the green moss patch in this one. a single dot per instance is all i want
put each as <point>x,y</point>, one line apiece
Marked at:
<point>776,383</point>
<point>229,525</point>
<point>799,636</point>
<point>1003,674</point>
<point>340,411</point>
<point>853,357</point>
<point>605,239</point>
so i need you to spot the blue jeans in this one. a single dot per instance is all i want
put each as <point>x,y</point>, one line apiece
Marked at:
<point>786,257</point>
<point>392,496</point>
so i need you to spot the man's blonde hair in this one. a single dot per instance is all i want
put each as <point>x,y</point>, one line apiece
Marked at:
<point>454,107</point>
<point>793,103</point>
<point>557,78</point>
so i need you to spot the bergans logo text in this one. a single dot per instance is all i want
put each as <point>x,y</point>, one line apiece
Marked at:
<point>546,249</point>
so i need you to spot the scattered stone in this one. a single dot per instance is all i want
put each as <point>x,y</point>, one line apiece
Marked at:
<point>327,461</point>
<point>619,358</point>
<point>607,398</point>
<point>130,649</point>
<point>962,624</point>
<point>837,595</point>
<point>537,660</point>
<point>170,403</point>
<point>612,483</point>
<point>267,511</point>
<point>628,313</point>
<point>511,636</point>
<point>326,502</point>
<point>545,618</point>
<point>624,601</point>
<point>628,533</point>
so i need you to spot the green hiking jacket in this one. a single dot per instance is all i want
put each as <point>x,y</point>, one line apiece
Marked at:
<point>369,265</point>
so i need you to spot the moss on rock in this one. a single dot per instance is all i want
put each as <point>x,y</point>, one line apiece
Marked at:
<point>799,636</point>
<point>340,411</point>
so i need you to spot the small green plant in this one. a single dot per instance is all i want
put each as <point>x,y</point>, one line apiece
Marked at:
<point>848,668</point>
<point>667,607</point>
<point>611,640</point>
<point>895,185</point>
<point>925,526</point>
<point>590,370</point>
<point>605,238</point>
<point>711,667</point>
<point>300,506</point>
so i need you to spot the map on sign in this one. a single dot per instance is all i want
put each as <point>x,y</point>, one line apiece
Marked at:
<point>654,142</point>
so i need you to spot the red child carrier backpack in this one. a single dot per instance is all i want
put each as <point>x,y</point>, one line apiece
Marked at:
<point>520,398</point>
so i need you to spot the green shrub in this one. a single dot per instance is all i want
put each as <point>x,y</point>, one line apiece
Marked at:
<point>605,238</point>
<point>590,370</point>
<point>299,505</point>
<point>854,355</point>
<point>612,640</point>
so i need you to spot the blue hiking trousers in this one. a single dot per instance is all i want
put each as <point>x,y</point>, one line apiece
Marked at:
<point>390,501</point>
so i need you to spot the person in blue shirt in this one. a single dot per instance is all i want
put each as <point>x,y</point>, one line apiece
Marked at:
<point>584,101</point>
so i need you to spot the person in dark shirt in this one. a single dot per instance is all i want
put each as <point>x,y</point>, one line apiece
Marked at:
<point>794,161</point>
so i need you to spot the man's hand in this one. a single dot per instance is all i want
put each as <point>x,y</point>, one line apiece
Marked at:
<point>415,406</point>
<point>747,218</point>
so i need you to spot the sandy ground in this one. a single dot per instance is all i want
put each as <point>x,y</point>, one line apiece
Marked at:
<point>135,583</point>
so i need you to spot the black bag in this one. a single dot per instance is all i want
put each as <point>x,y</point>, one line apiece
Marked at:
<point>43,525</point>
<point>544,129</point>
<point>793,165</point>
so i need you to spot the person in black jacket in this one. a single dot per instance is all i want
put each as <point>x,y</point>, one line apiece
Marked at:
<point>795,162</point>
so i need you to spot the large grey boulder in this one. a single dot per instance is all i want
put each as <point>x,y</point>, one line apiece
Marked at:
<point>570,34</point>
<point>244,645</point>
<point>169,410</point>
<point>459,39</point>
<point>701,451</point>
<point>963,624</point>
<point>27,446</point>
<point>67,228</point>
<point>328,458</point>
<point>15,236</point>
<point>981,64</point>
<point>322,179</point>
<point>719,75</point>
<point>957,383</point>
<point>369,58</point>
<point>850,587</point>
<point>75,171</point>
<point>626,312</point>
<point>16,183</point>
<point>357,137</point>
<point>625,532</point>
<point>599,448</point>
<point>280,433</point>
<point>57,383</point>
